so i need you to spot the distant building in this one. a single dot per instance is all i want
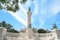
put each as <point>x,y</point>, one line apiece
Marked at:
<point>29,33</point>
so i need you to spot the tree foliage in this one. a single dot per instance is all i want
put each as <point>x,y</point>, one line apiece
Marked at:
<point>54,26</point>
<point>5,25</point>
<point>23,1</point>
<point>41,31</point>
<point>11,5</point>
<point>13,30</point>
<point>9,27</point>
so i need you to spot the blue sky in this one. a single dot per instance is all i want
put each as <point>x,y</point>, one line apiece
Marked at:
<point>44,14</point>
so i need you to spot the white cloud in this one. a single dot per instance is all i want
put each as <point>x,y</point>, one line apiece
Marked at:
<point>33,20</point>
<point>55,10</point>
<point>22,8</point>
<point>35,12</point>
<point>54,7</point>
<point>41,23</point>
<point>43,11</point>
<point>43,2</point>
<point>18,18</point>
<point>28,3</point>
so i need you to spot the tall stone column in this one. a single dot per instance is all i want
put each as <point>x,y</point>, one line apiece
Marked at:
<point>29,32</point>
<point>29,18</point>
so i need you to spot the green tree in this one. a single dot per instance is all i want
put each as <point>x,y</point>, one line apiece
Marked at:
<point>41,31</point>
<point>13,30</point>
<point>9,27</point>
<point>3,24</point>
<point>23,1</point>
<point>11,5</point>
<point>54,26</point>
<point>0,24</point>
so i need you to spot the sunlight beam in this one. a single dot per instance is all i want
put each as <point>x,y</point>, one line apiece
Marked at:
<point>15,15</point>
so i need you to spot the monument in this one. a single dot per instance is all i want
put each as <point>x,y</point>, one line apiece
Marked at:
<point>29,18</point>
<point>28,33</point>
